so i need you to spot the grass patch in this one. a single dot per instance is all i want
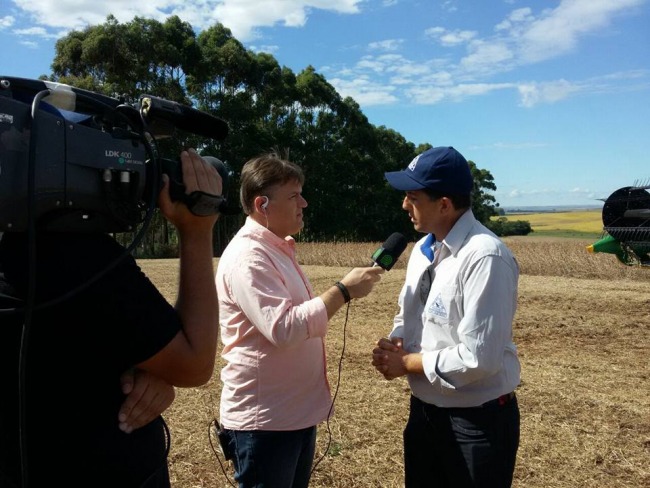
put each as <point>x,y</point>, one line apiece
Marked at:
<point>582,329</point>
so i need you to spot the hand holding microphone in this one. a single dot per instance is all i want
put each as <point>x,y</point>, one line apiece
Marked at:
<point>360,281</point>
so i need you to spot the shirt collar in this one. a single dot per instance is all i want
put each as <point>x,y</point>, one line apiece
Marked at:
<point>458,233</point>
<point>427,247</point>
<point>264,234</point>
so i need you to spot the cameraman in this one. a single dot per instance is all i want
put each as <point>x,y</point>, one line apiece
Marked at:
<point>78,350</point>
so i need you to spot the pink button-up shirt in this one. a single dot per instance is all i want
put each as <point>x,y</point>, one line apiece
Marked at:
<point>272,328</point>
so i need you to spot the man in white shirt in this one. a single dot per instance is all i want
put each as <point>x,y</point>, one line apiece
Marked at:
<point>452,337</point>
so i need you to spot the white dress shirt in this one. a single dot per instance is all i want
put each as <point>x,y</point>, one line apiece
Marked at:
<point>464,330</point>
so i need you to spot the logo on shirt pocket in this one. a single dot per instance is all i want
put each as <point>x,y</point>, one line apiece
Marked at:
<point>438,308</point>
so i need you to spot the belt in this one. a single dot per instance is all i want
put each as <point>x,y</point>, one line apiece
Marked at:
<point>501,401</point>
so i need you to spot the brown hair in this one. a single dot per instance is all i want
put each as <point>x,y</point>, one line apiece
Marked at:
<point>261,173</point>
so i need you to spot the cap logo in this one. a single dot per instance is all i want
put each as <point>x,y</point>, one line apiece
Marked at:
<point>414,162</point>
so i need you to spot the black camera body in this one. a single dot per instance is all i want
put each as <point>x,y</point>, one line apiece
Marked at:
<point>75,160</point>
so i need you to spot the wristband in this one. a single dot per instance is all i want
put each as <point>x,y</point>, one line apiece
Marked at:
<point>344,291</point>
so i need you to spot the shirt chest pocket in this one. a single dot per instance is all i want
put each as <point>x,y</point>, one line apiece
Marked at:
<point>444,306</point>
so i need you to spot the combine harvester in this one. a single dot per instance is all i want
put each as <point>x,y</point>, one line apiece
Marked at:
<point>626,225</point>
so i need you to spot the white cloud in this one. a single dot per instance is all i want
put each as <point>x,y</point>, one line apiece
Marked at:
<point>579,190</point>
<point>365,91</point>
<point>242,17</point>
<point>484,56</point>
<point>532,94</point>
<point>264,49</point>
<point>536,93</point>
<point>524,193</point>
<point>522,37</point>
<point>427,95</point>
<point>439,80</point>
<point>387,45</point>
<point>372,64</point>
<point>525,38</point>
<point>71,14</point>
<point>29,44</point>
<point>627,75</point>
<point>32,31</point>
<point>558,30</point>
<point>6,21</point>
<point>450,38</point>
<point>449,6</point>
<point>516,16</point>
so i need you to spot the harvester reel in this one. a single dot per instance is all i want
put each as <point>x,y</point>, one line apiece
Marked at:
<point>626,218</point>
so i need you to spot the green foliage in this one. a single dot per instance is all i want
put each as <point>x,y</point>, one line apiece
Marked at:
<point>504,227</point>
<point>484,204</point>
<point>267,106</point>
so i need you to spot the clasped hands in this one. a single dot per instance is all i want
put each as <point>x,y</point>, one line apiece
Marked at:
<point>388,358</point>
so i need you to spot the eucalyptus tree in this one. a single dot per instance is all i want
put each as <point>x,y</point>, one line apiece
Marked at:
<point>266,106</point>
<point>129,59</point>
<point>393,152</point>
<point>484,204</point>
<point>93,57</point>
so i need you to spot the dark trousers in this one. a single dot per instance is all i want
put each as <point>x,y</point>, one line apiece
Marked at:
<point>461,447</point>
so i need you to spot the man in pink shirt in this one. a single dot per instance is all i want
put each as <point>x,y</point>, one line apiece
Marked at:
<point>275,390</point>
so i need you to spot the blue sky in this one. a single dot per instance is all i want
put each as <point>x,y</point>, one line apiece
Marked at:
<point>552,97</point>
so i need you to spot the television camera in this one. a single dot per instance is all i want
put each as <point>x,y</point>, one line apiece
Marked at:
<point>76,160</point>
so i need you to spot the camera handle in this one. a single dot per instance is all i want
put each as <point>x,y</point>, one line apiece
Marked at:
<point>198,202</point>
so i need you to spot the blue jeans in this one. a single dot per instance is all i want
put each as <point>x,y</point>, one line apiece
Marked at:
<point>461,447</point>
<point>272,459</point>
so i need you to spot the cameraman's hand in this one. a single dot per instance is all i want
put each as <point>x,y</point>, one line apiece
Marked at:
<point>147,396</point>
<point>197,176</point>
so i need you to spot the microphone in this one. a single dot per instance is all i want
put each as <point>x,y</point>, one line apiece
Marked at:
<point>386,256</point>
<point>159,111</point>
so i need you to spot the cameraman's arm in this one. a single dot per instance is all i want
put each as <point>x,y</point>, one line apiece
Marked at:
<point>188,360</point>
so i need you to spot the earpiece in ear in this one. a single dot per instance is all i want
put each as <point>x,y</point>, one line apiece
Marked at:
<point>266,203</point>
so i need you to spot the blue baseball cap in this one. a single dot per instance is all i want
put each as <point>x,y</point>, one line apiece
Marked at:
<point>441,169</point>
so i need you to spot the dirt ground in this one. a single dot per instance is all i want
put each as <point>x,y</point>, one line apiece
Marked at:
<point>584,395</point>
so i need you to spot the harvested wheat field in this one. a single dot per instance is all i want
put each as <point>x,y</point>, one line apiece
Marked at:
<point>583,333</point>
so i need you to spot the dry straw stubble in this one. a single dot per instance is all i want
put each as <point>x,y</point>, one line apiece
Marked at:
<point>583,332</point>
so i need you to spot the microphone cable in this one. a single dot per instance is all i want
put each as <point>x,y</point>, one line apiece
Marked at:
<point>214,425</point>
<point>336,392</point>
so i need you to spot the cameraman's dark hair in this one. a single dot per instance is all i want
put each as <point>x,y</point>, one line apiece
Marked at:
<point>461,202</point>
<point>263,172</point>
